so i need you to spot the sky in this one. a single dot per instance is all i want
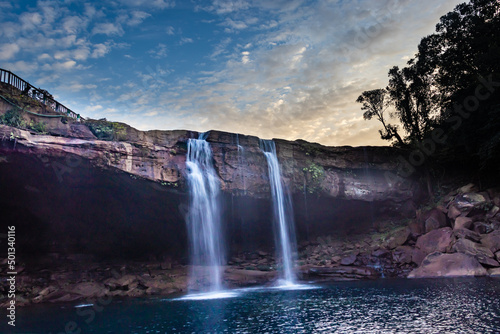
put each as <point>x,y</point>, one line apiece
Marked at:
<point>288,69</point>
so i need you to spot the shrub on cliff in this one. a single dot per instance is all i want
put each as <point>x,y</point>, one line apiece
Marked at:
<point>106,130</point>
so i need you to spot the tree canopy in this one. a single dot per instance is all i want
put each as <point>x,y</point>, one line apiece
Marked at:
<point>451,84</point>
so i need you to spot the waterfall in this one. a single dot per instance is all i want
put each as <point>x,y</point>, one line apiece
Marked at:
<point>203,220</point>
<point>283,215</point>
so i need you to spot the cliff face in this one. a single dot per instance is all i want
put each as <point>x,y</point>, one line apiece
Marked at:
<point>352,173</point>
<point>135,188</point>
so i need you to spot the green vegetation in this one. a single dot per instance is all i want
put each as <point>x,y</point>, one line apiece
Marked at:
<point>105,130</point>
<point>14,118</point>
<point>314,175</point>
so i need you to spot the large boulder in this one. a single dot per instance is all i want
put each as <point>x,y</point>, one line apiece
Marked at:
<point>483,227</point>
<point>470,247</point>
<point>462,222</point>
<point>448,265</point>
<point>88,289</point>
<point>491,240</point>
<point>434,219</point>
<point>466,234</point>
<point>453,212</point>
<point>402,254</point>
<point>397,237</point>
<point>435,241</point>
<point>469,201</point>
<point>417,256</point>
<point>348,260</point>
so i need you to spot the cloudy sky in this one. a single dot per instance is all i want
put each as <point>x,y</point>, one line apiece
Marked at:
<point>276,69</point>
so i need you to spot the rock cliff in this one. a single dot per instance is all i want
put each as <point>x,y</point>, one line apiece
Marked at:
<point>350,173</point>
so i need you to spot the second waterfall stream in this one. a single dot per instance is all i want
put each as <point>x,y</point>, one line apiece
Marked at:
<point>284,225</point>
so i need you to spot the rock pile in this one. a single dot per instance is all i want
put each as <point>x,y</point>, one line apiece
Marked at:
<point>462,235</point>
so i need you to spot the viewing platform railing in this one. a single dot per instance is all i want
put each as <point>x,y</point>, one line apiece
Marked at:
<point>36,93</point>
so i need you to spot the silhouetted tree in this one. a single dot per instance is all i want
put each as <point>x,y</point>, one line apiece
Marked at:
<point>374,104</point>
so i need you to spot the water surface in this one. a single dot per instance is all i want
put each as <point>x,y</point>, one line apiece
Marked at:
<point>383,306</point>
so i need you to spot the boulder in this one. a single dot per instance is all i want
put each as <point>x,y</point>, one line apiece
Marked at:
<point>470,247</point>
<point>435,241</point>
<point>417,256</point>
<point>453,212</point>
<point>469,201</point>
<point>397,237</point>
<point>487,261</point>
<point>402,254</point>
<point>482,227</point>
<point>88,289</point>
<point>494,272</point>
<point>434,219</point>
<point>466,234</point>
<point>493,212</point>
<point>380,252</point>
<point>448,265</point>
<point>491,240</point>
<point>348,260</point>
<point>462,222</point>
<point>467,188</point>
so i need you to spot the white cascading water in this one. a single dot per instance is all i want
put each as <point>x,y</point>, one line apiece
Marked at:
<point>203,220</point>
<point>283,216</point>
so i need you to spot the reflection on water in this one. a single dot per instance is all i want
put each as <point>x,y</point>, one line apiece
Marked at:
<point>384,306</point>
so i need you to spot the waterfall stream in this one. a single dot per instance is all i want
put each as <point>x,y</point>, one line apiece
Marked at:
<point>283,214</point>
<point>203,220</point>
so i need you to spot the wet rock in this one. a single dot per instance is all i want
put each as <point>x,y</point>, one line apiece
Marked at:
<point>238,277</point>
<point>336,259</point>
<point>494,272</point>
<point>434,219</point>
<point>167,265</point>
<point>351,272</point>
<point>402,254</point>
<point>397,237</point>
<point>348,260</point>
<point>88,289</point>
<point>61,296</point>
<point>462,222</point>
<point>491,240</point>
<point>153,291</point>
<point>448,265</point>
<point>435,241</point>
<point>126,280</point>
<point>380,252</point>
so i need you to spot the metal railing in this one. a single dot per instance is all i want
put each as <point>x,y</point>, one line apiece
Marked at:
<point>36,93</point>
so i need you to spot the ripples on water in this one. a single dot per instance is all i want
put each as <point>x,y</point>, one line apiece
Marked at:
<point>384,306</point>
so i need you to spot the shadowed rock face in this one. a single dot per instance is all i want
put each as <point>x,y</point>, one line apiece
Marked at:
<point>126,198</point>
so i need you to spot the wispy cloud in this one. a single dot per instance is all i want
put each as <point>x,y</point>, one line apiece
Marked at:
<point>284,68</point>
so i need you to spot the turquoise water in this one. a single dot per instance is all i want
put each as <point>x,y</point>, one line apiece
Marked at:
<point>383,306</point>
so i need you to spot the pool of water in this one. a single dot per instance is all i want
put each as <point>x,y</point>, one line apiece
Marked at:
<point>383,306</point>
